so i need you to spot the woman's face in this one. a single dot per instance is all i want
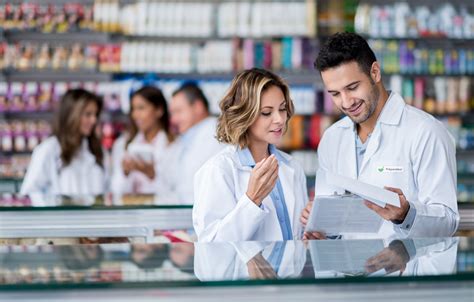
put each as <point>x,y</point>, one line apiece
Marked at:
<point>144,114</point>
<point>271,121</point>
<point>89,118</point>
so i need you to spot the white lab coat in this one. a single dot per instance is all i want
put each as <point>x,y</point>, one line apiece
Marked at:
<point>223,212</point>
<point>136,182</point>
<point>423,152</point>
<point>182,159</point>
<point>47,176</point>
<point>433,257</point>
<point>225,261</point>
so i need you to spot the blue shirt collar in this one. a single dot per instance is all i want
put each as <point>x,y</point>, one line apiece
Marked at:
<point>246,158</point>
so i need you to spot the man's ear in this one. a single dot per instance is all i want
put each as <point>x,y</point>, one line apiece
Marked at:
<point>375,72</point>
<point>199,107</point>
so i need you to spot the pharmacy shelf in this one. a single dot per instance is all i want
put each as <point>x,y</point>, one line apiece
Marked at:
<point>69,37</point>
<point>90,222</point>
<point>466,213</point>
<point>104,37</point>
<point>424,39</point>
<point>426,75</point>
<point>431,4</point>
<point>59,75</point>
<point>46,115</point>
<point>302,77</point>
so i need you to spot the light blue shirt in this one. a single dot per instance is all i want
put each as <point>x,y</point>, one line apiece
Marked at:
<point>277,255</point>
<point>277,195</point>
<point>360,151</point>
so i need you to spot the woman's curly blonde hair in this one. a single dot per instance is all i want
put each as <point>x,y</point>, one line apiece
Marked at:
<point>240,107</point>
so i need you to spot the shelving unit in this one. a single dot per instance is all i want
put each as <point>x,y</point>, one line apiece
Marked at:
<point>304,76</point>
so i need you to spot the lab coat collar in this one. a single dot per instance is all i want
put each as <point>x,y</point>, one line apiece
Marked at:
<point>390,115</point>
<point>246,158</point>
<point>191,132</point>
<point>140,137</point>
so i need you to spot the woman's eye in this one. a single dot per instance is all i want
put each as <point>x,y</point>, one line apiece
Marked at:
<point>352,88</point>
<point>266,113</point>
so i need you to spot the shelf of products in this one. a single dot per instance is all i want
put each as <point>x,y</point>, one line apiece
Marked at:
<point>103,46</point>
<point>439,19</point>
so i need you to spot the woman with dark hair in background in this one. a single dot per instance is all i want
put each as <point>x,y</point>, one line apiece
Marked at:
<point>136,154</point>
<point>71,161</point>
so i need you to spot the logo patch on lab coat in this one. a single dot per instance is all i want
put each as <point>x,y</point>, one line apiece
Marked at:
<point>390,169</point>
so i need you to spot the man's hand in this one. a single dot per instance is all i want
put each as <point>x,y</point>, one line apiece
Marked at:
<point>314,236</point>
<point>390,212</point>
<point>393,258</point>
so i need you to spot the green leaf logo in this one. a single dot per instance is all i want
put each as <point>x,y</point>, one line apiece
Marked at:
<point>381,169</point>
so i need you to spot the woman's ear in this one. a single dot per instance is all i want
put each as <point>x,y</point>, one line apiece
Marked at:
<point>159,112</point>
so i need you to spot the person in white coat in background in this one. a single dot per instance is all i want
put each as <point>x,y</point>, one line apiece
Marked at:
<point>196,143</point>
<point>136,155</point>
<point>71,161</point>
<point>251,190</point>
<point>387,143</point>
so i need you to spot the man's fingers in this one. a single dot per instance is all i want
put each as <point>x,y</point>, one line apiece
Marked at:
<point>373,206</point>
<point>314,235</point>
<point>395,190</point>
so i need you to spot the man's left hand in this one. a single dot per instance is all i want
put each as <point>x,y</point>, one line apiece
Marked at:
<point>390,212</point>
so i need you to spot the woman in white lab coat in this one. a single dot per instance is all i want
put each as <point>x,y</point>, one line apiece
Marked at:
<point>136,154</point>
<point>251,190</point>
<point>71,161</point>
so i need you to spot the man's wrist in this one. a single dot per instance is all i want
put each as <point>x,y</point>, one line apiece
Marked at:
<point>403,217</point>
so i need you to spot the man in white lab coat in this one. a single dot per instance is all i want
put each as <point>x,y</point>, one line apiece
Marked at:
<point>189,111</point>
<point>387,143</point>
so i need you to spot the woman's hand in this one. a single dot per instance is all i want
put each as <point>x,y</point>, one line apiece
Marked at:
<point>262,179</point>
<point>304,220</point>
<point>146,168</point>
<point>129,165</point>
<point>259,268</point>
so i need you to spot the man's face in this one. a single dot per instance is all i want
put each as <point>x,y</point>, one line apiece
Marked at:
<point>183,114</point>
<point>352,91</point>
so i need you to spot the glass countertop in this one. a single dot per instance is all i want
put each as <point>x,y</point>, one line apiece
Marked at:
<point>41,202</point>
<point>236,263</point>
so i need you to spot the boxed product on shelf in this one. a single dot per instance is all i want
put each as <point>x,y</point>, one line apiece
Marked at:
<point>305,132</point>
<point>47,56</point>
<point>261,19</point>
<point>436,95</point>
<point>401,19</point>
<point>23,136</point>
<point>410,57</point>
<point>46,18</point>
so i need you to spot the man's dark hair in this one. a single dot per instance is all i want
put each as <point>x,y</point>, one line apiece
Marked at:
<point>193,93</point>
<point>343,48</point>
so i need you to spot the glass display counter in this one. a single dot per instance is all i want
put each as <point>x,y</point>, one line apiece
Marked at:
<point>419,269</point>
<point>89,216</point>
